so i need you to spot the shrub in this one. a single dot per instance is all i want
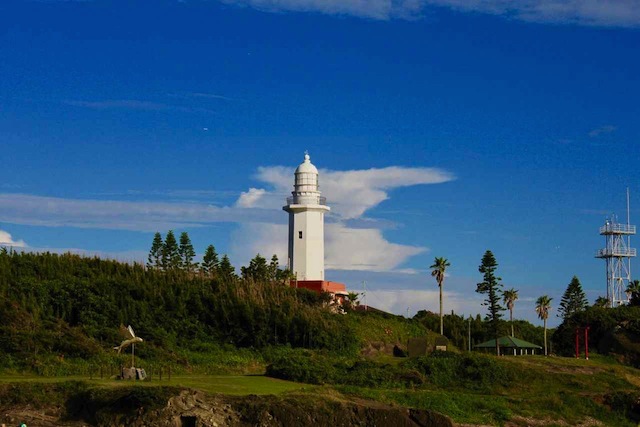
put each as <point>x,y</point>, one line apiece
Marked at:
<point>303,366</point>
<point>474,371</point>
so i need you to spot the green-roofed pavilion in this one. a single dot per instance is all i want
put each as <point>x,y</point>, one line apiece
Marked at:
<point>517,345</point>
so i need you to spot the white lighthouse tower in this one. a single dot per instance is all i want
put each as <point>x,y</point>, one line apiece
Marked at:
<point>306,210</point>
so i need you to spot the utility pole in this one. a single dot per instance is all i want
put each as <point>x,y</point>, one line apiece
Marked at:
<point>364,294</point>
<point>469,332</point>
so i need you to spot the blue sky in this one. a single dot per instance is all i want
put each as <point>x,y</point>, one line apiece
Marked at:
<point>441,128</point>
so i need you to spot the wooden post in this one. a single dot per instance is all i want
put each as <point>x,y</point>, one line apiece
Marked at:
<point>586,343</point>
<point>577,343</point>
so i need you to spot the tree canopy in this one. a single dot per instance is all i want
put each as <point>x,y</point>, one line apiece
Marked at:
<point>187,253</point>
<point>573,300</point>
<point>633,290</point>
<point>171,259</point>
<point>491,288</point>
<point>438,270</point>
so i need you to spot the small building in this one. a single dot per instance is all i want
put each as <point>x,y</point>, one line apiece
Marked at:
<point>510,345</point>
<point>337,290</point>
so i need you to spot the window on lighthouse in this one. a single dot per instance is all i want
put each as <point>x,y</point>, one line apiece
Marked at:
<point>299,234</point>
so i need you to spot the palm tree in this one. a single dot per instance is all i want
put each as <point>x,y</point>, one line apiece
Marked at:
<point>438,269</point>
<point>543,305</point>
<point>352,300</point>
<point>601,302</point>
<point>633,292</point>
<point>509,297</point>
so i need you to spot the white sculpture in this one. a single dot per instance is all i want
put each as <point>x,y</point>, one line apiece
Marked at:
<point>130,338</point>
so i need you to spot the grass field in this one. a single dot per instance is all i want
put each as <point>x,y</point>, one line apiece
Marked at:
<point>225,384</point>
<point>549,390</point>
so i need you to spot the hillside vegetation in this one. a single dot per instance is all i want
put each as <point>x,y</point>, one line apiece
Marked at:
<point>60,312</point>
<point>59,315</point>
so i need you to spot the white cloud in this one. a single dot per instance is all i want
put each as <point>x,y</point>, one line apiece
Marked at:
<point>352,193</point>
<point>398,300</point>
<point>7,240</point>
<point>612,13</point>
<point>373,9</point>
<point>461,303</point>
<point>594,133</point>
<point>264,239</point>
<point>113,214</point>
<point>345,248</point>
<point>261,229</point>
<point>136,104</point>
<point>249,199</point>
<point>363,249</point>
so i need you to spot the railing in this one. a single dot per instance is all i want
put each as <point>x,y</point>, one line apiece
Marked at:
<point>625,252</point>
<point>618,229</point>
<point>319,200</point>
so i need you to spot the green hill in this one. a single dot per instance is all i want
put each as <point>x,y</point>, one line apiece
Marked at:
<point>59,315</point>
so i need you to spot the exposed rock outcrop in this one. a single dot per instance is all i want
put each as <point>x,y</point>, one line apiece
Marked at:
<point>191,408</point>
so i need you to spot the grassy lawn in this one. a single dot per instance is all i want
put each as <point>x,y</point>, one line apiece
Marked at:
<point>226,384</point>
<point>561,391</point>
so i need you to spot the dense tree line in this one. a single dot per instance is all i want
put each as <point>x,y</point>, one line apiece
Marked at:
<point>73,305</point>
<point>169,255</point>
<point>611,331</point>
<point>457,327</point>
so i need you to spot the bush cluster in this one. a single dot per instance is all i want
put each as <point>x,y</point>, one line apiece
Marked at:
<point>70,306</point>
<point>611,330</point>
<point>441,369</point>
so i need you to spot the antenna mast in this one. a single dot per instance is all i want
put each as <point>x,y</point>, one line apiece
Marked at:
<point>617,255</point>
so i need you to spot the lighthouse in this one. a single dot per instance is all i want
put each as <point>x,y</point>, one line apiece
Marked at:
<point>306,210</point>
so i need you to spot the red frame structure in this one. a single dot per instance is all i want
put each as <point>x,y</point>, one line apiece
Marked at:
<point>586,342</point>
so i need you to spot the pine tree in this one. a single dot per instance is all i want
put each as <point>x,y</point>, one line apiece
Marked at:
<point>225,269</point>
<point>257,270</point>
<point>210,262</point>
<point>274,268</point>
<point>170,252</point>
<point>574,299</point>
<point>491,287</point>
<point>155,254</point>
<point>187,253</point>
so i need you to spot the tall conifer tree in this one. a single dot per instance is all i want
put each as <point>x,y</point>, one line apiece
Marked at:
<point>210,261</point>
<point>274,268</point>
<point>155,254</point>
<point>573,300</point>
<point>257,270</point>
<point>491,287</point>
<point>187,253</point>
<point>170,252</point>
<point>225,269</point>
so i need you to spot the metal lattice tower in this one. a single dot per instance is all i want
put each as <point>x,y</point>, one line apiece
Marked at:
<point>617,254</point>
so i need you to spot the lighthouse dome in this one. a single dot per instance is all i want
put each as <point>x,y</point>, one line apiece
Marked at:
<point>307,166</point>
